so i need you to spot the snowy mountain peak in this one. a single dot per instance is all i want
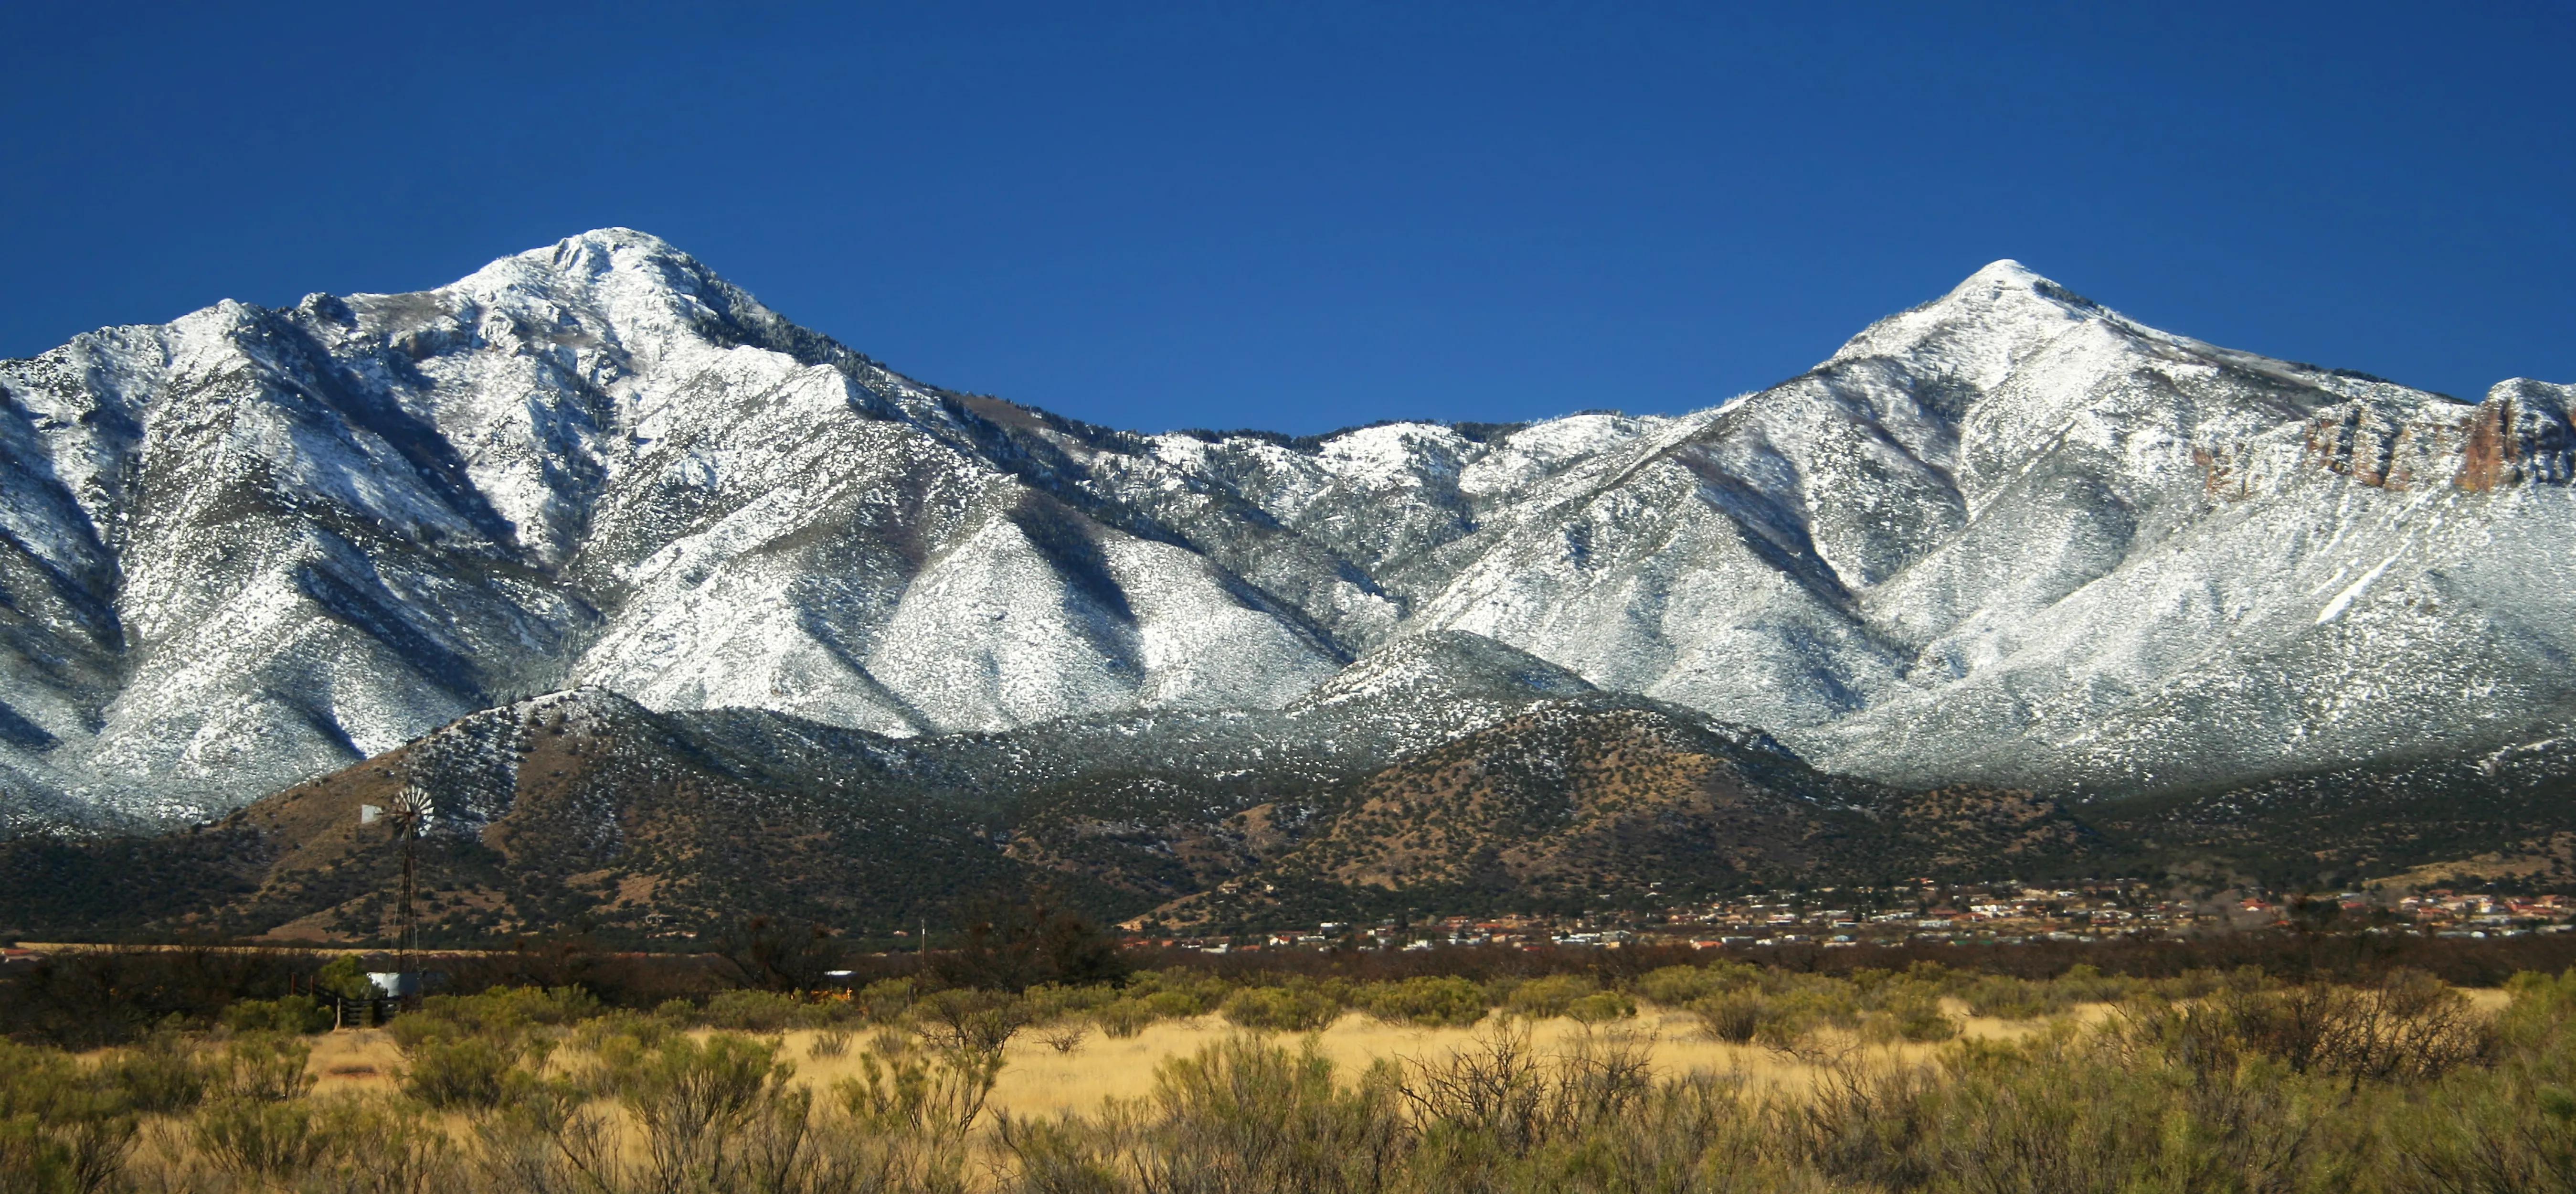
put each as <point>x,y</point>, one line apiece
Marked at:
<point>603,251</point>
<point>608,241</point>
<point>2005,535</point>
<point>1980,330</point>
<point>2007,284</point>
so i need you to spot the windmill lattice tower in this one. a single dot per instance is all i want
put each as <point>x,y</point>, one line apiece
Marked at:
<point>410,807</point>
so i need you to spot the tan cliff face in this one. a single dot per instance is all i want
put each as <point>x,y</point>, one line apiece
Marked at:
<point>2519,435</point>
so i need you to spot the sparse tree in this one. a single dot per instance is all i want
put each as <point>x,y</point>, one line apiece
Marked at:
<point>780,954</point>
<point>1014,943</point>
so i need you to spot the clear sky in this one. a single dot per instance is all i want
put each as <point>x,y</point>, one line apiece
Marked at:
<point>1306,215</point>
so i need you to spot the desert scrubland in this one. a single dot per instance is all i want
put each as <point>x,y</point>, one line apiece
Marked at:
<point>1718,1077</point>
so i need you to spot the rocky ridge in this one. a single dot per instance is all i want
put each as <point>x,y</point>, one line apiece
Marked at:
<point>2009,536</point>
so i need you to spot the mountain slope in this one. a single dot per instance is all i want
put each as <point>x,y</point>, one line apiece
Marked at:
<point>262,543</point>
<point>2008,537</point>
<point>2013,537</point>
<point>1603,798</point>
<point>584,811</point>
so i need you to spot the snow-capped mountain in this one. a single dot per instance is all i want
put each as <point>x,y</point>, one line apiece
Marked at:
<point>2008,535</point>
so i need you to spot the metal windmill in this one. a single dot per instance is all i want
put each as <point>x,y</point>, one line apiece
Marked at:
<point>410,808</point>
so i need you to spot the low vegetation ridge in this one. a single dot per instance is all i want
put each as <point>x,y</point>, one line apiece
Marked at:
<point>583,812</point>
<point>2329,1066</point>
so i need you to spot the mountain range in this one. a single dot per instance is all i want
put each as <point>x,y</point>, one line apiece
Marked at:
<point>2003,543</point>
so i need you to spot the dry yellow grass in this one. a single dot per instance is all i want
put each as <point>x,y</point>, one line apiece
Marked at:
<point>1039,1081</point>
<point>354,1060</point>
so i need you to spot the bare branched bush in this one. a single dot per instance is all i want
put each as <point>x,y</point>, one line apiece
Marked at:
<point>1731,1016</point>
<point>1064,1036</point>
<point>830,1042</point>
<point>1502,1090</point>
<point>969,1021</point>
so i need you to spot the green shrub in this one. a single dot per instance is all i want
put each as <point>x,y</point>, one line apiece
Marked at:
<point>473,1052</point>
<point>2542,995</point>
<point>162,1074</point>
<point>1282,1009</point>
<point>1245,1115</point>
<point>511,1014</point>
<point>1543,998</point>
<point>509,1009</point>
<point>1601,1007</point>
<point>644,1028</point>
<point>1449,1001</point>
<point>461,1071</point>
<point>1911,1014</point>
<point>1788,1016</point>
<point>264,1067</point>
<point>36,1081</point>
<point>552,1006</point>
<point>294,1013</point>
<point>1124,1018</point>
<point>61,1126</point>
<point>1178,994</point>
<point>2083,983</point>
<point>382,1146</point>
<point>345,977</point>
<point>1052,1001</point>
<point>702,1108</point>
<point>2406,1028</point>
<point>710,1076</point>
<point>752,1011</point>
<point>2007,998</point>
<point>43,1156</point>
<point>1176,1005</point>
<point>1677,986</point>
<point>886,999</point>
<point>260,1139</point>
<point>922,1085</point>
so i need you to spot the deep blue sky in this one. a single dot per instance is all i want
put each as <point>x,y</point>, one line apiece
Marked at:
<point>1306,215</point>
